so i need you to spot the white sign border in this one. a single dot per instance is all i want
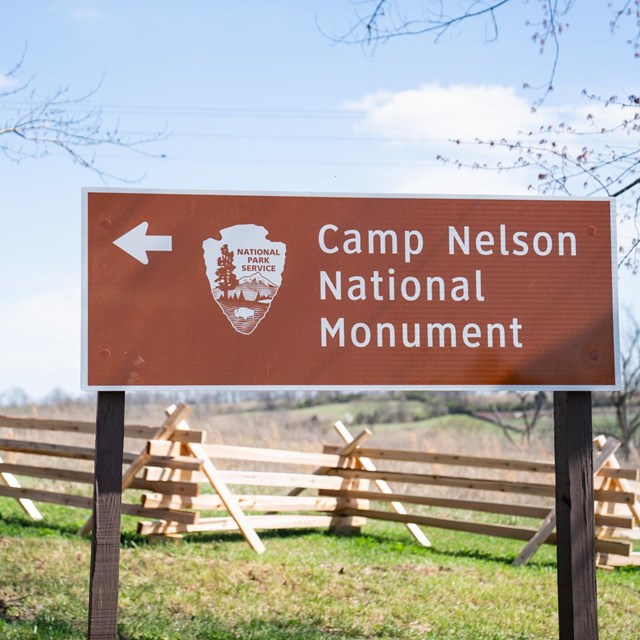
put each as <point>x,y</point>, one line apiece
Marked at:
<point>186,192</point>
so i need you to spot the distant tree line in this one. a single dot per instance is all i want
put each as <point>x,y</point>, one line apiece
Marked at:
<point>517,414</point>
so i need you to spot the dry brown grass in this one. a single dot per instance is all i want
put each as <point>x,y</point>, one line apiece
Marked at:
<point>308,428</point>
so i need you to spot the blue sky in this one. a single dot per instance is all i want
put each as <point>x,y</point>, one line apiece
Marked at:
<point>255,96</point>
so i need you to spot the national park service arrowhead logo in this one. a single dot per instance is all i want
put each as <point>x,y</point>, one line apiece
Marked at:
<point>245,272</point>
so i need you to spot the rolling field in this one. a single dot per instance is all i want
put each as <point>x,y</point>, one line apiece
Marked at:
<point>308,585</point>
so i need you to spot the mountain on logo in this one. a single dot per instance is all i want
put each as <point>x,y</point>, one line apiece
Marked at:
<point>257,278</point>
<point>255,287</point>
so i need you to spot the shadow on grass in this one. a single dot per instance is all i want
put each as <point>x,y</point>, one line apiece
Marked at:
<point>380,543</point>
<point>472,553</point>
<point>42,626</point>
<point>256,629</point>
<point>478,554</point>
<point>230,536</point>
<point>22,526</point>
<point>205,627</point>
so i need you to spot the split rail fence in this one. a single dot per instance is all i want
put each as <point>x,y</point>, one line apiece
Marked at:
<point>185,486</point>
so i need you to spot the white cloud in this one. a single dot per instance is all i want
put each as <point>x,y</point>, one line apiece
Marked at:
<point>86,14</point>
<point>40,346</point>
<point>6,82</point>
<point>420,124</point>
<point>434,113</point>
<point>81,13</point>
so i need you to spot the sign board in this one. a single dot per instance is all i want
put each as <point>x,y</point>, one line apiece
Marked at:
<point>209,290</point>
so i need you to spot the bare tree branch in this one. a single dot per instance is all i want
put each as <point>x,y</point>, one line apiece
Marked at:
<point>626,188</point>
<point>629,9</point>
<point>532,407</point>
<point>371,26</point>
<point>382,20</point>
<point>379,21</point>
<point>589,159</point>
<point>626,400</point>
<point>61,121</point>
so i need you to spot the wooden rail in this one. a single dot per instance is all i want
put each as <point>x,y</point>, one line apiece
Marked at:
<point>72,496</point>
<point>334,488</point>
<point>339,468</point>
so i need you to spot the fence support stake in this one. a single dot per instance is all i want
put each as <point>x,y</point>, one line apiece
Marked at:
<point>575,528</point>
<point>107,505</point>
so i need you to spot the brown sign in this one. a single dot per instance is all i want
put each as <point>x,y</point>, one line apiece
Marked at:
<point>210,290</point>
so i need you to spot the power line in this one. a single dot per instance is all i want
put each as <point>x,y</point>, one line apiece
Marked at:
<point>292,137</point>
<point>273,161</point>
<point>233,112</point>
<point>194,111</point>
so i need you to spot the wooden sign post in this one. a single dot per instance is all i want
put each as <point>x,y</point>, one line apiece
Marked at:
<point>107,501</point>
<point>575,529</point>
<point>293,291</point>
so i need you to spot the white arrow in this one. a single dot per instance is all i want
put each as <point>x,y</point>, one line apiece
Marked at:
<point>136,243</point>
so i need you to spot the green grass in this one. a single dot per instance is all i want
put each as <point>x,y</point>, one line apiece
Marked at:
<point>307,586</point>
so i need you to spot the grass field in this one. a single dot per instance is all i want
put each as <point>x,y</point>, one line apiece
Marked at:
<point>308,585</point>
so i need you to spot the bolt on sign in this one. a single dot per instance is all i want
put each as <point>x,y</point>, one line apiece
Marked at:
<point>209,290</point>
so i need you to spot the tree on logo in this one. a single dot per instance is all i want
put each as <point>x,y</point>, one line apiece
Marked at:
<point>225,273</point>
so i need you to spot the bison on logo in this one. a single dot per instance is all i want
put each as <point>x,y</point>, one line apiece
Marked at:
<point>245,272</point>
